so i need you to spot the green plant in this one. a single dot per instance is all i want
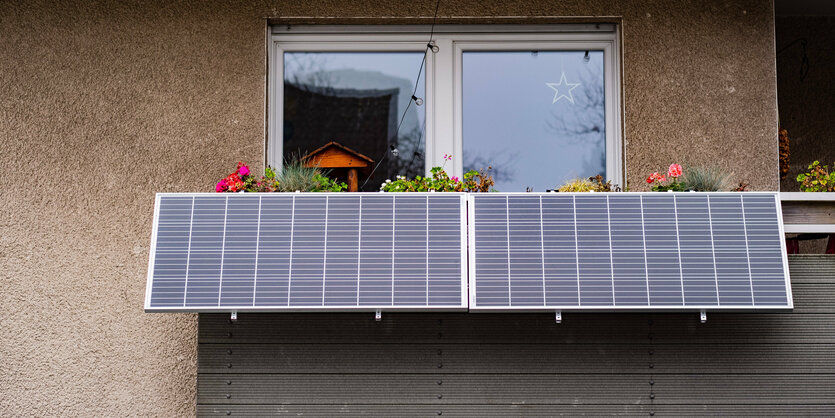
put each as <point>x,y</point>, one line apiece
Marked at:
<point>327,184</point>
<point>706,179</point>
<point>818,179</point>
<point>592,184</point>
<point>674,172</point>
<point>578,185</point>
<point>293,177</point>
<point>440,181</point>
<point>242,180</point>
<point>296,176</point>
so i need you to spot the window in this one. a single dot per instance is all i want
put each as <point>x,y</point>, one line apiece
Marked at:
<point>540,104</point>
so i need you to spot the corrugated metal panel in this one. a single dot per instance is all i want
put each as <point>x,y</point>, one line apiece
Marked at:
<point>477,388</point>
<point>515,328</point>
<point>515,358</point>
<point>525,364</point>
<point>487,411</point>
<point>493,388</point>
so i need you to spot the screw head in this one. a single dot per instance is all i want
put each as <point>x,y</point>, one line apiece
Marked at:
<point>440,365</point>
<point>228,382</point>
<point>228,396</point>
<point>228,412</point>
<point>440,382</point>
<point>652,396</point>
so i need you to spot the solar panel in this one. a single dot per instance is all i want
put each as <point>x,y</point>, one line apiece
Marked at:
<point>639,251</point>
<point>307,251</point>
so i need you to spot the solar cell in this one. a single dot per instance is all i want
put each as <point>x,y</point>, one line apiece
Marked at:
<point>556,251</point>
<point>307,251</point>
<point>600,251</point>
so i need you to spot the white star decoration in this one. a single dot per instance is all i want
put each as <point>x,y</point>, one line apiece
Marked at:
<point>565,87</point>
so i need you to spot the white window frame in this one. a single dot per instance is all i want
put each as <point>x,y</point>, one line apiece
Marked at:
<point>443,72</point>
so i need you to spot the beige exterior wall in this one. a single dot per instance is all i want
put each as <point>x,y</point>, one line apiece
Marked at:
<point>101,106</point>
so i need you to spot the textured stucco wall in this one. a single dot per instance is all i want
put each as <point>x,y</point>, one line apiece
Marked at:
<point>102,105</point>
<point>807,107</point>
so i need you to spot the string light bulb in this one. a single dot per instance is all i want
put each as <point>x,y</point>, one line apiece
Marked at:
<point>586,57</point>
<point>418,100</point>
<point>394,150</point>
<point>433,47</point>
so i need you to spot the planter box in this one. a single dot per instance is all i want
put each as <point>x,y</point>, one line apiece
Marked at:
<point>808,212</point>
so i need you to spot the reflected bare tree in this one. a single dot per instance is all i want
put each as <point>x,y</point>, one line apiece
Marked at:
<point>410,160</point>
<point>305,72</point>
<point>585,121</point>
<point>502,165</point>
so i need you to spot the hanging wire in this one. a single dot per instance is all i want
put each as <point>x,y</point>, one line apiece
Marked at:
<point>429,47</point>
<point>804,59</point>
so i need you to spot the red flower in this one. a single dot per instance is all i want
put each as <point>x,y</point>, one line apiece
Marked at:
<point>674,170</point>
<point>655,177</point>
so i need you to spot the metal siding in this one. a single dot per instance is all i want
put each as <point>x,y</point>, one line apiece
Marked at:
<point>458,364</point>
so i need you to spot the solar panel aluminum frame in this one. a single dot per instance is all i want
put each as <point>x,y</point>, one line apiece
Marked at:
<point>462,306</point>
<point>473,307</point>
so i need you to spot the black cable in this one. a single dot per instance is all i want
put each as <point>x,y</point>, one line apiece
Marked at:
<point>804,59</point>
<point>428,47</point>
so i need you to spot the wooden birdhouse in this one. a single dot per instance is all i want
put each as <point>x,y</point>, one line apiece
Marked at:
<point>343,162</point>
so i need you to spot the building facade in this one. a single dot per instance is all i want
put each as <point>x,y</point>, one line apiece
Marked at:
<point>106,104</point>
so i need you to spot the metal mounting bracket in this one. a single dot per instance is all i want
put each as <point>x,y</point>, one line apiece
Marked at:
<point>233,317</point>
<point>558,317</point>
<point>378,315</point>
<point>703,317</point>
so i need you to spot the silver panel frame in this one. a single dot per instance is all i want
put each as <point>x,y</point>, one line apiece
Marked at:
<point>641,308</point>
<point>461,307</point>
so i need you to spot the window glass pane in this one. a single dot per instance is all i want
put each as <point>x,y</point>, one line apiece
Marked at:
<point>537,117</point>
<point>356,99</point>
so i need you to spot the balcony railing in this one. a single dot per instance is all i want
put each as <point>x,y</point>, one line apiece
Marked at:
<point>811,216</point>
<point>808,212</point>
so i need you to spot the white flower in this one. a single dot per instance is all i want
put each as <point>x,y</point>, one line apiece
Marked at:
<point>388,181</point>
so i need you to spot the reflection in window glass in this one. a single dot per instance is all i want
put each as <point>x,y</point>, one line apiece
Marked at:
<point>537,117</point>
<point>357,100</point>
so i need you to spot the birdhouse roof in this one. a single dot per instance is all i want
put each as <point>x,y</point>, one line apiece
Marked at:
<point>336,155</point>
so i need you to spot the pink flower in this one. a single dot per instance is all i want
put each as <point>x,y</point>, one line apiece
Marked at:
<point>454,179</point>
<point>243,170</point>
<point>674,171</point>
<point>221,185</point>
<point>447,157</point>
